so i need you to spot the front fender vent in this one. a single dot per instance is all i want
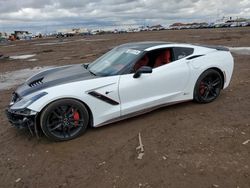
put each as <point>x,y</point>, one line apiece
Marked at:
<point>36,82</point>
<point>103,98</point>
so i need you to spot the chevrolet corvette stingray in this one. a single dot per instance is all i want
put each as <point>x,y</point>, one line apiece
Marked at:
<point>130,79</point>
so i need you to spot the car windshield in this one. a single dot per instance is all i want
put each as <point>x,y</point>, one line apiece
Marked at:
<point>113,61</point>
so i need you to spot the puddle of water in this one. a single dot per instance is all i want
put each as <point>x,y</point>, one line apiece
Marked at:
<point>10,79</point>
<point>240,50</point>
<point>66,58</point>
<point>20,57</point>
<point>94,40</point>
<point>9,45</point>
<point>49,43</point>
<point>32,60</point>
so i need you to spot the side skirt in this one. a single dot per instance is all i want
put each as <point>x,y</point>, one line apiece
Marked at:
<point>144,111</point>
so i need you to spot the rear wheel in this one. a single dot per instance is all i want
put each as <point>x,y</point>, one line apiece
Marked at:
<point>64,119</point>
<point>208,86</point>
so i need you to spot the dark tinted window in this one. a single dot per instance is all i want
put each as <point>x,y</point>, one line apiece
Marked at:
<point>180,52</point>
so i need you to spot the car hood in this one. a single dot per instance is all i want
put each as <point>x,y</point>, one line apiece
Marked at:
<point>53,77</point>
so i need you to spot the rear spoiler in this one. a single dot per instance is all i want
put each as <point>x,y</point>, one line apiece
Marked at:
<point>219,48</point>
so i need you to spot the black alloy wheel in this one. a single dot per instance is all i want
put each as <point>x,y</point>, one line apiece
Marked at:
<point>64,119</point>
<point>208,86</point>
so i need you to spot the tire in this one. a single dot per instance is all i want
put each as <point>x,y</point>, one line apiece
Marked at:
<point>64,119</point>
<point>208,86</point>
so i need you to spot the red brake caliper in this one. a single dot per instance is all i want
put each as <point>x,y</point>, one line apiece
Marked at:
<point>202,88</point>
<point>76,118</point>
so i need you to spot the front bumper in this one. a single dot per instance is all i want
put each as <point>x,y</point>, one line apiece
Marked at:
<point>20,120</point>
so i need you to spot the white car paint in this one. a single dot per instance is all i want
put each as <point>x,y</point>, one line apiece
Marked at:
<point>169,83</point>
<point>164,85</point>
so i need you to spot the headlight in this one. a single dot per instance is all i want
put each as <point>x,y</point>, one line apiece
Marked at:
<point>25,102</point>
<point>22,112</point>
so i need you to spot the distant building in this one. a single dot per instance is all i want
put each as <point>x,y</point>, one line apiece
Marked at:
<point>189,25</point>
<point>72,32</point>
<point>239,22</point>
<point>156,28</point>
<point>22,35</point>
<point>177,26</point>
<point>3,37</point>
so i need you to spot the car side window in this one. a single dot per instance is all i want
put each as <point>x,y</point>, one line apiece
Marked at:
<point>155,58</point>
<point>163,57</point>
<point>181,52</point>
<point>144,61</point>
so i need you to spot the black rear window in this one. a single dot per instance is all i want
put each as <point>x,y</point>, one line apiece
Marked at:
<point>181,52</point>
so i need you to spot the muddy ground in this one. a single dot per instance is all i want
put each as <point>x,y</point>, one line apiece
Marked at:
<point>186,145</point>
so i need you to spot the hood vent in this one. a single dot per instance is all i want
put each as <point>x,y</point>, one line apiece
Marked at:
<point>36,82</point>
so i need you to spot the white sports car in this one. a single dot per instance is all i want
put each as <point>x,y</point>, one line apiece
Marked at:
<point>130,79</point>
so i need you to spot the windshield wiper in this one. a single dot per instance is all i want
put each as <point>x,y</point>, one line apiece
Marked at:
<point>85,66</point>
<point>91,72</point>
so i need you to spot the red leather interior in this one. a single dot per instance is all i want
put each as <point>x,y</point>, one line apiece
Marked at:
<point>142,62</point>
<point>163,58</point>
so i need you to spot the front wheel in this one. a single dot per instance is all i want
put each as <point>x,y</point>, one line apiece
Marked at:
<point>208,86</point>
<point>64,119</point>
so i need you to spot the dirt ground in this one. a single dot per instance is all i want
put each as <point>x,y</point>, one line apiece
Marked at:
<point>186,145</point>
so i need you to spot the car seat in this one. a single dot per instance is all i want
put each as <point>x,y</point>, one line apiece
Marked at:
<point>142,62</point>
<point>163,58</point>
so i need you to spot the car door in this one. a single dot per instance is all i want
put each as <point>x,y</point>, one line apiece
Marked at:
<point>164,85</point>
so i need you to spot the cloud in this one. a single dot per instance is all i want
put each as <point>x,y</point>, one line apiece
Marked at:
<point>117,12</point>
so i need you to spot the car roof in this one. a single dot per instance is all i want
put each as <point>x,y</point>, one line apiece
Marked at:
<point>144,45</point>
<point>151,45</point>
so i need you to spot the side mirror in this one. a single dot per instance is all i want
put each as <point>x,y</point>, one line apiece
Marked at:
<point>143,70</point>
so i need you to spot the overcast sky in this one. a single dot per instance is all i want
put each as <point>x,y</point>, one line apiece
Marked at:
<point>116,12</point>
